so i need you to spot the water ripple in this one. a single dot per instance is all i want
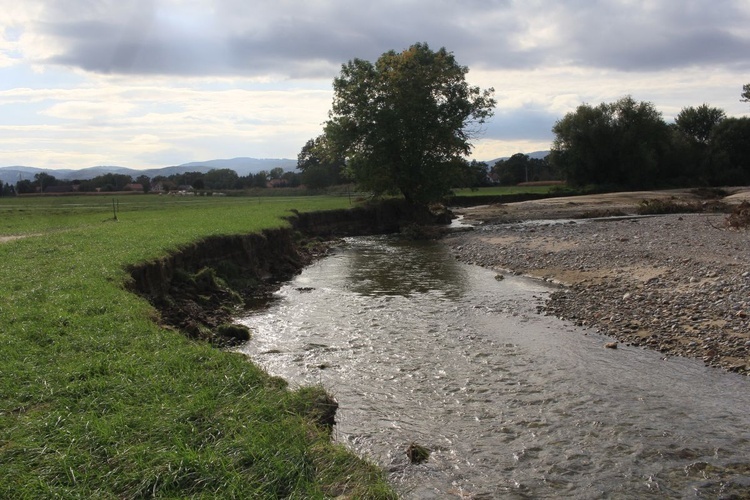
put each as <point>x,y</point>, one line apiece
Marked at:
<point>417,347</point>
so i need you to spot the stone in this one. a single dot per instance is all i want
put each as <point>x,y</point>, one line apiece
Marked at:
<point>417,453</point>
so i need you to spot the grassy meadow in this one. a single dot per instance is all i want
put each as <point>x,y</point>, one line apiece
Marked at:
<point>98,401</point>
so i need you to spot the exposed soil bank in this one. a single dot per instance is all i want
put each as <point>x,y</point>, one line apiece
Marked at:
<point>677,283</point>
<point>199,288</point>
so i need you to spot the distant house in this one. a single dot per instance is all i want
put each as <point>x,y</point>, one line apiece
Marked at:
<point>133,187</point>
<point>277,183</point>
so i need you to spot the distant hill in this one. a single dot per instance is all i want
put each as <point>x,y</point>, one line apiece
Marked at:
<point>243,166</point>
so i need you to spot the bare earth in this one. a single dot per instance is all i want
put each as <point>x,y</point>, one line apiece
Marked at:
<point>677,283</point>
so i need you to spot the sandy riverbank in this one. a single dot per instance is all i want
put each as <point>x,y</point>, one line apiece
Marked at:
<point>677,283</point>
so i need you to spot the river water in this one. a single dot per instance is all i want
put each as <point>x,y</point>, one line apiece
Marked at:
<point>418,347</point>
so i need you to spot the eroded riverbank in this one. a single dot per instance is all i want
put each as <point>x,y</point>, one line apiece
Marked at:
<point>200,288</point>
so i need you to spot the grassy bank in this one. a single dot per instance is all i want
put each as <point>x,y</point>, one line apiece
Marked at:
<point>97,401</point>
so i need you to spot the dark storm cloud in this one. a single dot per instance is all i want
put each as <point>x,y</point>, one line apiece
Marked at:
<point>312,39</point>
<point>657,36</point>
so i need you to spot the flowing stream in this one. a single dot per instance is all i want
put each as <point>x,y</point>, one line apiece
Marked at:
<point>417,347</point>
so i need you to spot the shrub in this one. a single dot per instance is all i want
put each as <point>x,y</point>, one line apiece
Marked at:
<point>740,217</point>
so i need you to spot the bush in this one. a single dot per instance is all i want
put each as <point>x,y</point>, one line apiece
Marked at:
<point>672,206</point>
<point>234,332</point>
<point>740,217</point>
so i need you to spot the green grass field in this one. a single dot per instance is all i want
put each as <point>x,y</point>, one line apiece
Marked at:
<point>98,401</point>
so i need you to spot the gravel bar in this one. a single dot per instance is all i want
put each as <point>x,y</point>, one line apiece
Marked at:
<point>678,284</point>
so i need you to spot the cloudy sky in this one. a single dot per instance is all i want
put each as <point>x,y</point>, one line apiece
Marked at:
<point>151,83</point>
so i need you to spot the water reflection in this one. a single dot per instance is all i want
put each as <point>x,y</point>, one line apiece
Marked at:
<point>392,266</point>
<point>418,347</point>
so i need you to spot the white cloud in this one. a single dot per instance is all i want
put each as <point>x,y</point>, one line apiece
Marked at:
<point>140,121</point>
<point>175,80</point>
<point>89,110</point>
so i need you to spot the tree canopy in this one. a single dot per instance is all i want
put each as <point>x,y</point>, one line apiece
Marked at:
<point>697,123</point>
<point>320,166</point>
<point>404,124</point>
<point>521,168</point>
<point>624,143</point>
<point>730,152</point>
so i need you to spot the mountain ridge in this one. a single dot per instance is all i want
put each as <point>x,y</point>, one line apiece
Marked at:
<point>242,165</point>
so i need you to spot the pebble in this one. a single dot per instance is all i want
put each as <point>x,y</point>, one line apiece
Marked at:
<point>673,308</point>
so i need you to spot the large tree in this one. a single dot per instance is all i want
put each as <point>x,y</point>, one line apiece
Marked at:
<point>697,123</point>
<point>746,93</point>
<point>221,178</point>
<point>730,145</point>
<point>625,143</point>
<point>404,124</point>
<point>692,160</point>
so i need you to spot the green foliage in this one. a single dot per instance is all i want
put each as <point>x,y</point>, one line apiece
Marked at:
<point>691,158</point>
<point>107,182</point>
<point>221,178</point>
<point>697,123</point>
<point>520,168</point>
<point>745,93</point>
<point>321,167</point>
<point>236,332</point>
<point>404,124</point>
<point>475,175</point>
<point>730,152</point>
<point>625,143</point>
<point>98,401</point>
<point>417,453</point>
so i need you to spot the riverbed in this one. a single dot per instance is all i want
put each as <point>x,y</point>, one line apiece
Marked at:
<point>419,347</point>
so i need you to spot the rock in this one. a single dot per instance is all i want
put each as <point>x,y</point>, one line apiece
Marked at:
<point>646,286</point>
<point>417,453</point>
<point>611,345</point>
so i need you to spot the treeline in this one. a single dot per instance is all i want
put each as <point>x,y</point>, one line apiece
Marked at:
<point>216,179</point>
<point>624,144</point>
<point>227,179</point>
<point>521,168</point>
<point>627,144</point>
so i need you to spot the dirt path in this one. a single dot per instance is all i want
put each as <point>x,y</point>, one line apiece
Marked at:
<point>6,239</point>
